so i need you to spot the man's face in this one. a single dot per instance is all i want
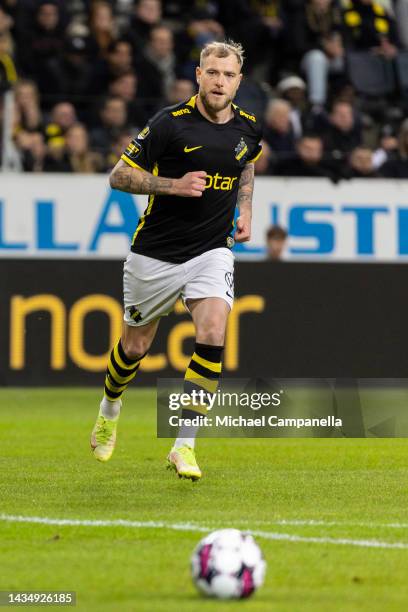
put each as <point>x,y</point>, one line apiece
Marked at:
<point>342,117</point>
<point>362,160</point>
<point>275,247</point>
<point>124,87</point>
<point>321,5</point>
<point>121,57</point>
<point>64,115</point>
<point>114,113</point>
<point>161,42</point>
<point>218,79</point>
<point>310,150</point>
<point>279,118</point>
<point>149,11</point>
<point>47,16</point>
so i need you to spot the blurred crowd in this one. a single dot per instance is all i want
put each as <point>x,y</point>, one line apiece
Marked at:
<point>329,78</point>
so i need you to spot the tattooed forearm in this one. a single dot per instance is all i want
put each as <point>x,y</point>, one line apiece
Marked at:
<point>132,180</point>
<point>246,188</point>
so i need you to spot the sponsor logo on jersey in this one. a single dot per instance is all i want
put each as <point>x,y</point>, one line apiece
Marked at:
<point>247,116</point>
<point>241,150</point>
<point>225,183</point>
<point>189,149</point>
<point>142,135</point>
<point>182,111</point>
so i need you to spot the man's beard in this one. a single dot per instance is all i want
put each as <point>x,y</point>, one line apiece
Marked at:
<point>210,107</point>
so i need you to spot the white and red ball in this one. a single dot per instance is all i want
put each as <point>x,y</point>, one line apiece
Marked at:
<point>228,564</point>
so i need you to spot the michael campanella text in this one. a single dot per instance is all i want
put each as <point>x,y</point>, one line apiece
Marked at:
<point>272,421</point>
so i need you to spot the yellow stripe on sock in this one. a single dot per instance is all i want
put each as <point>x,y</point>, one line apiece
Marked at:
<point>210,365</point>
<point>199,408</point>
<point>121,363</point>
<point>121,379</point>
<point>206,383</point>
<point>113,388</point>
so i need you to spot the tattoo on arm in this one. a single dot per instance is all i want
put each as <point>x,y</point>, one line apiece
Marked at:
<point>246,188</point>
<point>132,180</point>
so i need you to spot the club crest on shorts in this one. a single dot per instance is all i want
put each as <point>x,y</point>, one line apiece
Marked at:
<point>135,314</point>
<point>241,151</point>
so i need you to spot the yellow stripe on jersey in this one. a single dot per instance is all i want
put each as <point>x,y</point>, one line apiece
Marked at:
<point>192,101</point>
<point>251,161</point>
<point>131,162</point>
<point>148,209</point>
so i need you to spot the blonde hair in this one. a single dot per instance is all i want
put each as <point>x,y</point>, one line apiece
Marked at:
<point>223,49</point>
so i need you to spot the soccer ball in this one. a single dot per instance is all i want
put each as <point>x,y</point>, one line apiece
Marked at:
<point>228,564</point>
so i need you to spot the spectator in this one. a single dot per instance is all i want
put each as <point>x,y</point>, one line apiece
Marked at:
<point>401,14</point>
<point>75,71</point>
<point>148,14</point>
<point>308,161</point>
<point>276,238</point>
<point>63,116</point>
<point>103,28</point>
<point>201,29</point>
<point>114,121</point>
<point>157,67</point>
<point>314,35</point>
<point>368,26</point>
<point>361,164</point>
<point>388,149</point>
<point>76,156</point>
<point>278,131</point>
<point>8,73</point>
<point>125,87</point>
<point>32,149</point>
<point>180,90</point>
<point>40,48</point>
<point>118,60</point>
<point>293,89</point>
<point>398,167</point>
<point>27,101</point>
<point>341,134</point>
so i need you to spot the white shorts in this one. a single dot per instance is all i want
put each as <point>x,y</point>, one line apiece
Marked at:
<point>151,287</point>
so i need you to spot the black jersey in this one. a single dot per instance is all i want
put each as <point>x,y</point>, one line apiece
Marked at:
<point>177,140</point>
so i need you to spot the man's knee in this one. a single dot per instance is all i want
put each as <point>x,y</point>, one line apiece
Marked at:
<point>135,347</point>
<point>211,332</point>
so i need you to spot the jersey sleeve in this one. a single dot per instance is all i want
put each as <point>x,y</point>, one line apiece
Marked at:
<point>145,150</point>
<point>256,152</point>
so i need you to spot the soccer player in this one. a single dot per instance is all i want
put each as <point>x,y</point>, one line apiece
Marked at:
<point>195,161</point>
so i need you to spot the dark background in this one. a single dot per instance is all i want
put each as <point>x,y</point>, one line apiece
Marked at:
<point>319,321</point>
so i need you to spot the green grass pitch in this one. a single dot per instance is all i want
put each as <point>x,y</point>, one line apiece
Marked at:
<point>354,489</point>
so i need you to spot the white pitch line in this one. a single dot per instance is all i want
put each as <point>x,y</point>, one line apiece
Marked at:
<point>318,523</point>
<point>198,528</point>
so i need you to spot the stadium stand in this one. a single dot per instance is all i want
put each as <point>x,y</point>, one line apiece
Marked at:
<point>85,75</point>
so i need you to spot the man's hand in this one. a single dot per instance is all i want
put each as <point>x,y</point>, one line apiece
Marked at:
<point>243,231</point>
<point>191,185</point>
